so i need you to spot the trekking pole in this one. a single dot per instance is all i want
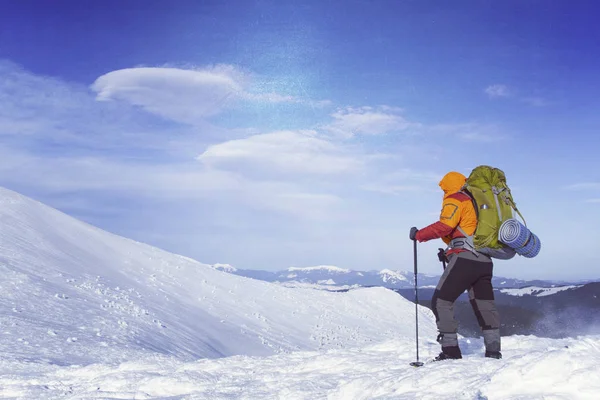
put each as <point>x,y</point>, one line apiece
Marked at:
<point>416,363</point>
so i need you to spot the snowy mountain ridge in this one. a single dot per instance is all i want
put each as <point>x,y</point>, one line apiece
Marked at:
<point>324,268</point>
<point>391,279</point>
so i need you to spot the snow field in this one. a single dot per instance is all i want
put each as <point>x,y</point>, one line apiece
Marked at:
<point>532,369</point>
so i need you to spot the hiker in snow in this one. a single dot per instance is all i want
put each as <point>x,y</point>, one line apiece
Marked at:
<point>466,270</point>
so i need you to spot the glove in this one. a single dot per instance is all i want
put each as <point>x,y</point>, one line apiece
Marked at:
<point>413,233</point>
<point>442,255</point>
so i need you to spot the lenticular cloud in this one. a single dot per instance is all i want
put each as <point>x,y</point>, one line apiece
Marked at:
<point>183,95</point>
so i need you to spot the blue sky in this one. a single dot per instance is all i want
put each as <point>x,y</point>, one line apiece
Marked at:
<point>268,134</point>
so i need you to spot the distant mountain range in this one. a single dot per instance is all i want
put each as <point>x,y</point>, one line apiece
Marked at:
<point>536,307</point>
<point>336,276</point>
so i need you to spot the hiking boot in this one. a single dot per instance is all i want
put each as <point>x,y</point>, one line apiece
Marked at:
<point>493,354</point>
<point>449,353</point>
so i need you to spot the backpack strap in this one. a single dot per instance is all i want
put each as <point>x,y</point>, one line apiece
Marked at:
<point>468,241</point>
<point>496,192</point>
<point>507,198</point>
<point>514,206</point>
<point>464,243</point>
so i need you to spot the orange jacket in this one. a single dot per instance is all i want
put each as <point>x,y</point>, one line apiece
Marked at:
<point>457,210</point>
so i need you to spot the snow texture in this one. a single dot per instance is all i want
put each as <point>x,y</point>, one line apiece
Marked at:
<point>533,368</point>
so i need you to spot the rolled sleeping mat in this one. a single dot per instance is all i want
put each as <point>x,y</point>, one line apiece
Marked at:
<point>513,233</point>
<point>517,236</point>
<point>532,248</point>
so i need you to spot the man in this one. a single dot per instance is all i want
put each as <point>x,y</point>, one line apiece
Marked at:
<point>466,270</point>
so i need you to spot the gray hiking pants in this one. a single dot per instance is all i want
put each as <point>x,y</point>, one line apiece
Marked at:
<point>466,271</point>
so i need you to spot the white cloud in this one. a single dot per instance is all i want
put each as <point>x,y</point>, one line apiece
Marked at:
<point>494,91</point>
<point>58,139</point>
<point>284,151</point>
<point>187,95</point>
<point>351,121</point>
<point>182,183</point>
<point>37,111</point>
<point>64,174</point>
<point>178,94</point>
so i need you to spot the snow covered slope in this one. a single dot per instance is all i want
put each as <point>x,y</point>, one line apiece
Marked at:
<point>72,293</point>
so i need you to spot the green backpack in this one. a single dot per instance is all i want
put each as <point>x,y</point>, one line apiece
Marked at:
<point>493,204</point>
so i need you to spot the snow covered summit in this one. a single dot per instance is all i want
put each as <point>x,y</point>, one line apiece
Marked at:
<point>388,275</point>
<point>72,293</point>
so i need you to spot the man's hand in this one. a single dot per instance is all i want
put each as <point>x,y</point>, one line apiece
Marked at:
<point>413,233</point>
<point>442,255</point>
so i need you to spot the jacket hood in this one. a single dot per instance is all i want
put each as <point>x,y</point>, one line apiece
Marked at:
<point>452,182</point>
